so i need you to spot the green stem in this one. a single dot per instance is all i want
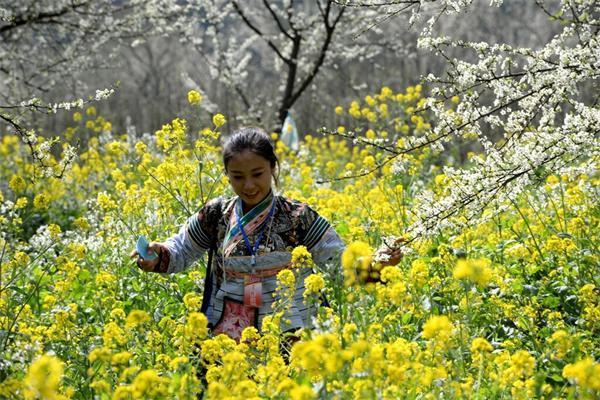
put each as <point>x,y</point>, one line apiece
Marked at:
<point>529,229</point>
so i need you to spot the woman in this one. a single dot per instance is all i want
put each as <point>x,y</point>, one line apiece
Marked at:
<point>250,238</point>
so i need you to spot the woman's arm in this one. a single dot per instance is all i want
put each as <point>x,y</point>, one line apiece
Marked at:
<point>180,251</point>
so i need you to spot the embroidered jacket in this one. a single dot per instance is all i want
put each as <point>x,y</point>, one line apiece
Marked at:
<point>293,224</point>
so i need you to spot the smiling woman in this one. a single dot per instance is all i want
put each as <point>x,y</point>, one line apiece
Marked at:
<point>251,236</point>
<point>250,178</point>
<point>250,163</point>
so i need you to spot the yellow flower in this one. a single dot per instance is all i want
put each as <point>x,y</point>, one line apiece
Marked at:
<point>113,335</point>
<point>356,261</point>
<point>370,101</point>
<point>43,378</point>
<point>355,112</point>
<point>104,278</point>
<point>249,334</point>
<point>82,223</point>
<point>21,259</point>
<point>196,327</point>
<point>419,272</point>
<point>555,244</point>
<point>140,148</point>
<point>383,109</point>
<point>552,180</point>
<point>17,183</point>
<point>178,362</point>
<point>91,111</point>
<point>194,97</point>
<point>391,274</point>
<point>54,231</point>
<point>584,373</point>
<point>313,283</point>
<point>385,92</point>
<point>219,120</point>
<point>301,257</point>
<point>136,318</point>
<point>369,161</point>
<point>339,110</point>
<point>122,357</point>
<point>320,356</point>
<point>21,202</point>
<point>588,293</point>
<point>41,201</point>
<point>480,345</point>
<point>455,99</point>
<point>562,343</point>
<point>171,134</point>
<point>117,313</point>
<point>49,301</point>
<point>286,277</point>
<point>77,116</point>
<point>105,202</point>
<point>302,392</point>
<point>192,301</point>
<point>149,384</point>
<point>438,327</point>
<point>477,271</point>
<point>518,366</point>
<point>440,180</point>
<point>100,386</point>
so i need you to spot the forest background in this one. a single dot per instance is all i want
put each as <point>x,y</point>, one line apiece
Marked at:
<point>212,49</point>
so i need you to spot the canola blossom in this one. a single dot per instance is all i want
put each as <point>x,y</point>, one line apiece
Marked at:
<point>500,307</point>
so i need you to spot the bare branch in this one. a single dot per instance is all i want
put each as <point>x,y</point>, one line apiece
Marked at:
<point>259,33</point>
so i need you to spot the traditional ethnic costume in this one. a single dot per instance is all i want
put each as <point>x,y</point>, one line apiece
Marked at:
<point>248,252</point>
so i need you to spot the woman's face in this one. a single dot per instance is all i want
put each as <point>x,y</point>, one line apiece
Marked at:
<point>250,177</point>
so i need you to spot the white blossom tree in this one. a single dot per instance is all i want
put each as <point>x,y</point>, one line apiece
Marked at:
<point>291,41</point>
<point>532,111</point>
<point>45,44</point>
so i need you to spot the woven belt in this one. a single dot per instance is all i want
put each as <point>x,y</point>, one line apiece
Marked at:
<point>263,273</point>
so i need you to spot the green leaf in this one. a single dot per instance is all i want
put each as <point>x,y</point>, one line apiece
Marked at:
<point>342,228</point>
<point>556,378</point>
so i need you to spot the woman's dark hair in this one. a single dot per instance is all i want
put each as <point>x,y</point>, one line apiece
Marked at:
<point>255,140</point>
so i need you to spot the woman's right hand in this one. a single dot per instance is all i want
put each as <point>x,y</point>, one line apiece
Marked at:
<point>148,265</point>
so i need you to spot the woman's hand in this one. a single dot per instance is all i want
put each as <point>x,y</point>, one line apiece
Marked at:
<point>393,257</point>
<point>389,255</point>
<point>148,265</point>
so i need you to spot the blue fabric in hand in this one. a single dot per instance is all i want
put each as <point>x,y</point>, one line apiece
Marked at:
<point>142,249</point>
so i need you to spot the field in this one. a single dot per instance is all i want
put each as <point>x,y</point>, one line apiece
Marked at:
<point>504,306</point>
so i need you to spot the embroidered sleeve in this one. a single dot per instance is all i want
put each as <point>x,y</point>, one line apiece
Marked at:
<point>321,240</point>
<point>194,238</point>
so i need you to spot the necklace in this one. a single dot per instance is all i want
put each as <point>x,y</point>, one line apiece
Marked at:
<point>256,244</point>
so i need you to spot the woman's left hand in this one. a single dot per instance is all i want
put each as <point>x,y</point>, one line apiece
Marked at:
<point>394,257</point>
<point>389,255</point>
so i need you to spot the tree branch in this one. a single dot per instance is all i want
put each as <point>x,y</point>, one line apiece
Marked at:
<point>41,18</point>
<point>276,18</point>
<point>259,33</point>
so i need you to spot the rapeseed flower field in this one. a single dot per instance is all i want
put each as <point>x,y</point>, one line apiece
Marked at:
<point>507,308</point>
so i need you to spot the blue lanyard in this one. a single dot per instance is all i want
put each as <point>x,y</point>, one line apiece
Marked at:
<point>251,249</point>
